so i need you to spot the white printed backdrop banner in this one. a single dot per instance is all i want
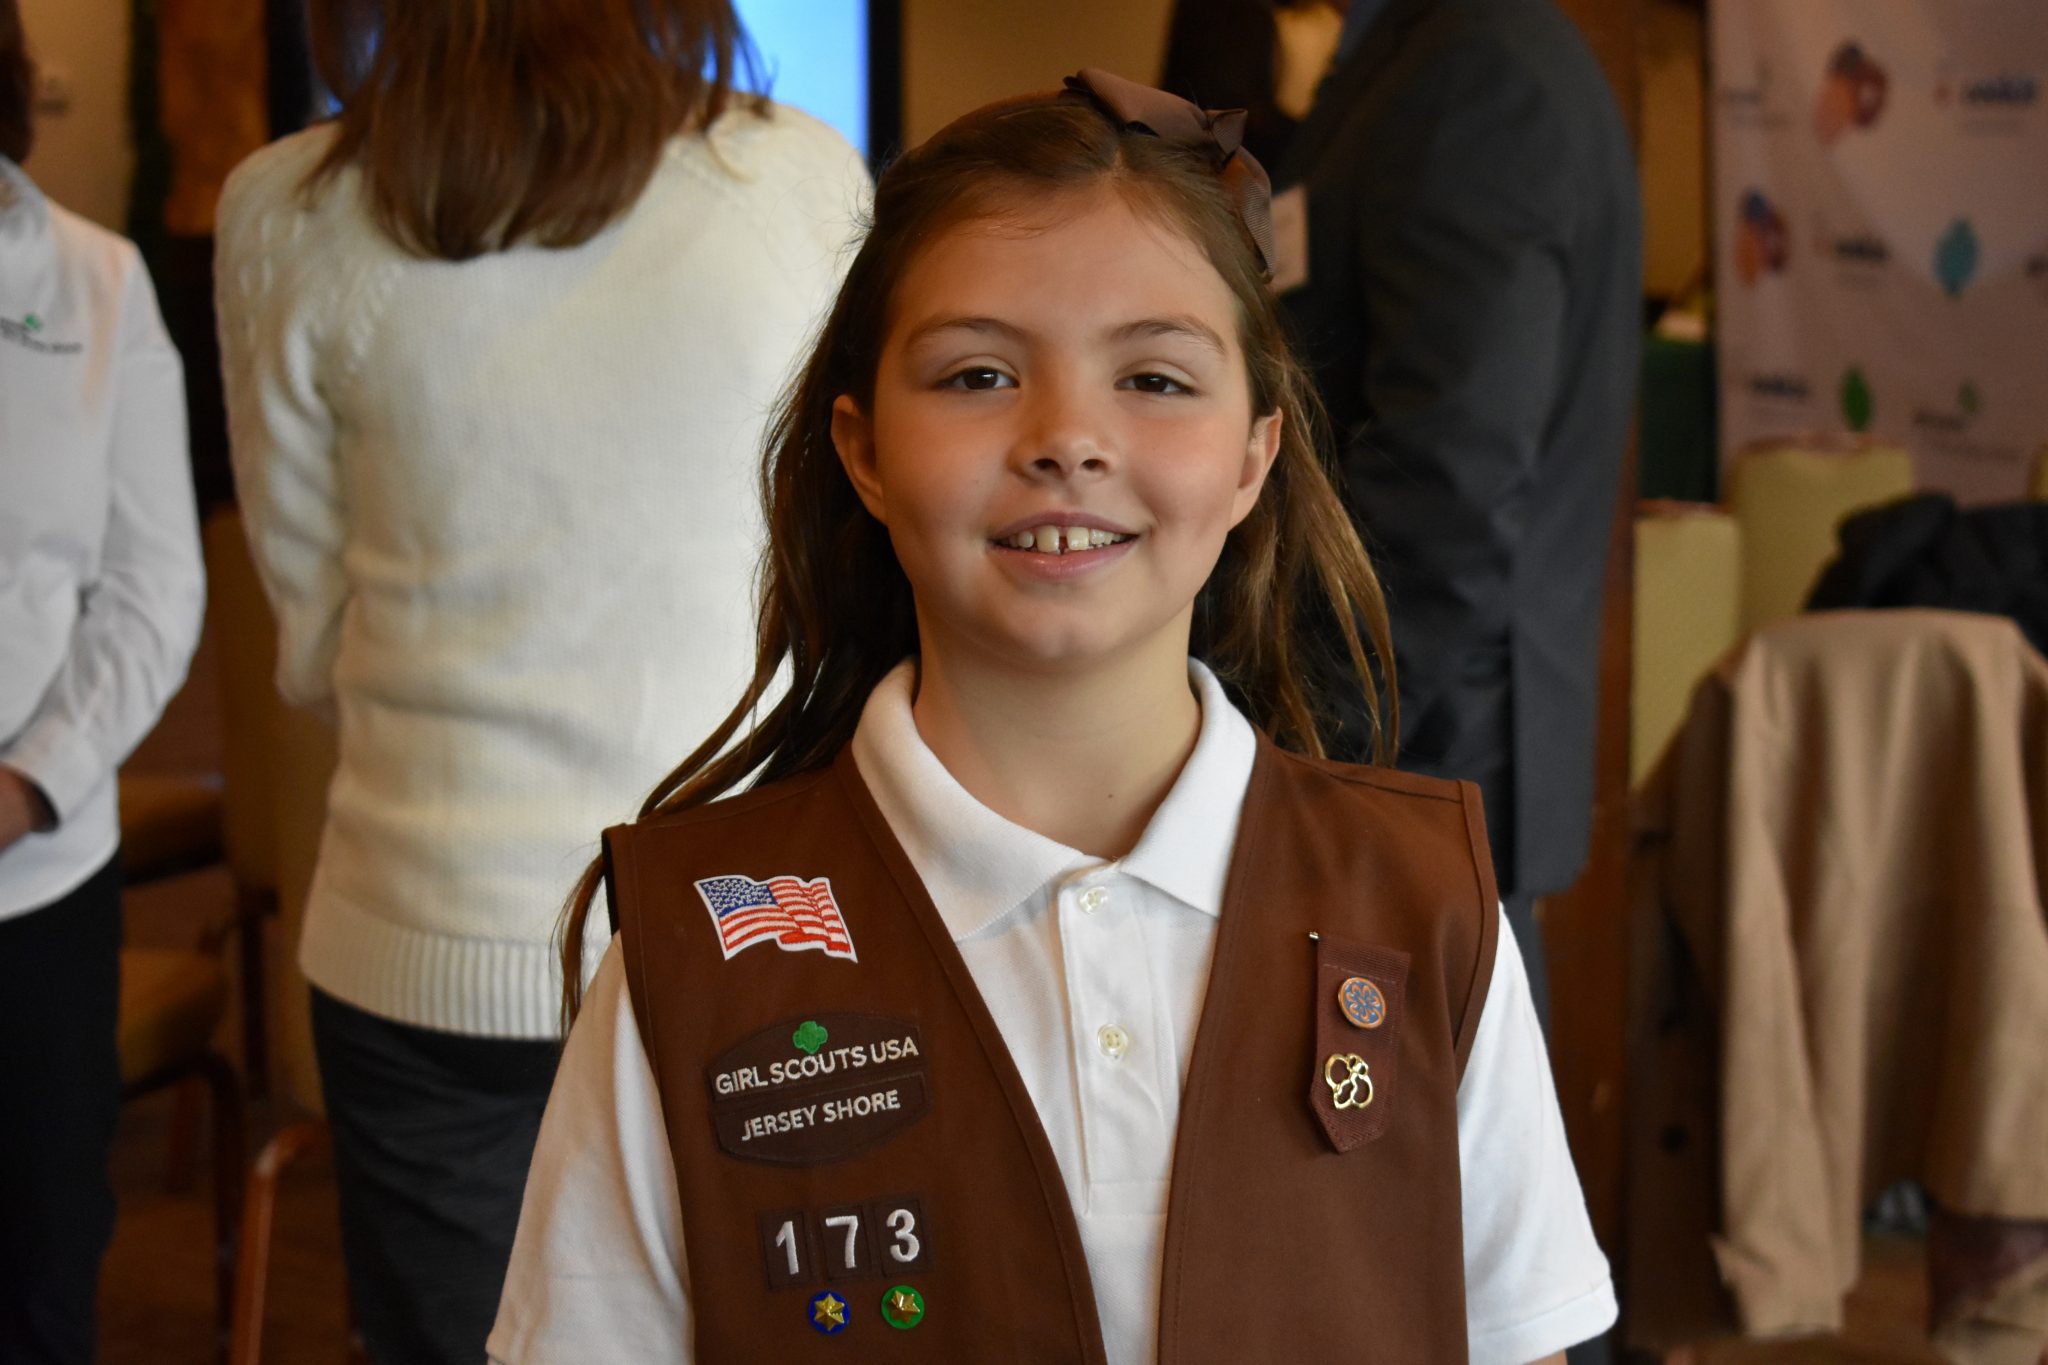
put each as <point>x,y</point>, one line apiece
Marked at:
<point>1881,229</point>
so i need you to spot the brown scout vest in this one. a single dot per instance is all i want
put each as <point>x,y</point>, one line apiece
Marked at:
<point>1295,1231</point>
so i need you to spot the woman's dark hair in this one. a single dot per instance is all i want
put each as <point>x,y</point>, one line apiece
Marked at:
<point>836,609</point>
<point>17,86</point>
<point>482,124</point>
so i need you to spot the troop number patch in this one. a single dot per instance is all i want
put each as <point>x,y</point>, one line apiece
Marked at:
<point>879,1238</point>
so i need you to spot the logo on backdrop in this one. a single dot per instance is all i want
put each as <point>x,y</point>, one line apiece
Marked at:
<point>1784,387</point>
<point>1954,420</point>
<point>1956,257</point>
<point>1859,404</point>
<point>1951,430</point>
<point>1755,103</point>
<point>1762,245</point>
<point>2000,90</point>
<point>1852,94</point>
<point>1862,257</point>
<point>1994,102</point>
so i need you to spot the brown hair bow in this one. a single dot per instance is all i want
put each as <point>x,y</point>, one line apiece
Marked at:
<point>1143,109</point>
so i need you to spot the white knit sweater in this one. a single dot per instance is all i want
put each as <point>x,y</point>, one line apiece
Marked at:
<point>506,512</point>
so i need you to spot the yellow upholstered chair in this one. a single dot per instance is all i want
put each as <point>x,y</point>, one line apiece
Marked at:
<point>1688,612</point>
<point>2038,487</point>
<point>1788,499</point>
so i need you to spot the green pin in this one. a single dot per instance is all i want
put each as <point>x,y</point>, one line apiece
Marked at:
<point>902,1307</point>
<point>33,323</point>
<point>809,1037</point>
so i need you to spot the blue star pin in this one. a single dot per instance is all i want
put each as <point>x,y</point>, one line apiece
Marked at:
<point>828,1313</point>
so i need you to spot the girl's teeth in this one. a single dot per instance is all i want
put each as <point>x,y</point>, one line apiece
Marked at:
<point>1053,540</point>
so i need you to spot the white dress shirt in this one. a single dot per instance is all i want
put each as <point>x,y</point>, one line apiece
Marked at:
<point>101,588</point>
<point>1094,971</point>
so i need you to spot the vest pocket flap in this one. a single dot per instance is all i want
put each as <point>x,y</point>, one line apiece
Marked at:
<point>1353,1081</point>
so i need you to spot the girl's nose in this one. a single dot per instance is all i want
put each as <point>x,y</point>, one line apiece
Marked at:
<point>1064,438</point>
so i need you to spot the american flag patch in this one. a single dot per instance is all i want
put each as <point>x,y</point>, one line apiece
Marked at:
<point>794,913</point>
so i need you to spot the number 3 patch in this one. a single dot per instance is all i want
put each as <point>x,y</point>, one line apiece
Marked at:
<point>875,1240</point>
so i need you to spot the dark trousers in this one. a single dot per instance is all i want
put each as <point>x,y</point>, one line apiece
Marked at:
<point>433,1133</point>
<point>60,1093</point>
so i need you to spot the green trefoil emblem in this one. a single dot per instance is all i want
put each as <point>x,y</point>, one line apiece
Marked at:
<point>809,1037</point>
<point>32,322</point>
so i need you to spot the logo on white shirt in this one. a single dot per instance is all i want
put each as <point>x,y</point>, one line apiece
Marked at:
<point>25,332</point>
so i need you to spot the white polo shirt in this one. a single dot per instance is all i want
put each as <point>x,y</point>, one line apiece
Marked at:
<point>1095,972</point>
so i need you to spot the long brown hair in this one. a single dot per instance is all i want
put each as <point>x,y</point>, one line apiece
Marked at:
<point>835,606</point>
<point>482,124</point>
<point>17,86</point>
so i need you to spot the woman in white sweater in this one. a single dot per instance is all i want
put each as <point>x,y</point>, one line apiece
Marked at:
<point>499,343</point>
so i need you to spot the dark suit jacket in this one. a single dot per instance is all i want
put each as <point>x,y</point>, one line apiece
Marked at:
<point>1472,315</point>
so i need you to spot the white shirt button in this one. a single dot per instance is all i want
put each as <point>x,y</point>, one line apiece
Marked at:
<point>1115,1042</point>
<point>1093,899</point>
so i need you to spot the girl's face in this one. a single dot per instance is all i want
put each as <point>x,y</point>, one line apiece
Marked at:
<point>1061,435</point>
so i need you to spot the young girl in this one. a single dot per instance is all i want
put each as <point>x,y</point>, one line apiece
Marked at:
<point>896,1054</point>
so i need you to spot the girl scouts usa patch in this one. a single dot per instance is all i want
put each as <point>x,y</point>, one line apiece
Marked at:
<point>794,914</point>
<point>806,1092</point>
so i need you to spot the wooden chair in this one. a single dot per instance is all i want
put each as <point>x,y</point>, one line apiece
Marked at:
<point>304,761</point>
<point>278,762</point>
<point>172,1000</point>
<point>170,824</point>
<point>246,639</point>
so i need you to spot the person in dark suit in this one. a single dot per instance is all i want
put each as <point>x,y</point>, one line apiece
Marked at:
<point>1468,294</point>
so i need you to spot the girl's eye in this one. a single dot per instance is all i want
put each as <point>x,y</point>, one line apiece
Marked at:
<point>1154,383</point>
<point>978,379</point>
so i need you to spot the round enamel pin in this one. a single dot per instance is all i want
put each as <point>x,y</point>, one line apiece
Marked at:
<point>1362,1002</point>
<point>902,1307</point>
<point>828,1313</point>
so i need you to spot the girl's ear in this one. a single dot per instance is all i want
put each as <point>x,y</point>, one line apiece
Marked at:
<point>853,436</point>
<point>1261,448</point>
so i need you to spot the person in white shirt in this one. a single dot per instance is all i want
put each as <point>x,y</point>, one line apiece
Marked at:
<point>101,593</point>
<point>498,342</point>
<point>1050,444</point>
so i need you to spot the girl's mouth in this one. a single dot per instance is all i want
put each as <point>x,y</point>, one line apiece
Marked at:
<point>1062,540</point>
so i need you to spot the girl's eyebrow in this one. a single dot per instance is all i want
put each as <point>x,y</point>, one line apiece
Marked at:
<point>1175,325</point>
<point>924,331</point>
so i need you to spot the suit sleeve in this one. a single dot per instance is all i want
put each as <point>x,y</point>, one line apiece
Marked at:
<point>1460,248</point>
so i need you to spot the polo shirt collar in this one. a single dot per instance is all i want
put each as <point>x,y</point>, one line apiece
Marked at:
<point>980,867</point>
<point>23,210</point>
